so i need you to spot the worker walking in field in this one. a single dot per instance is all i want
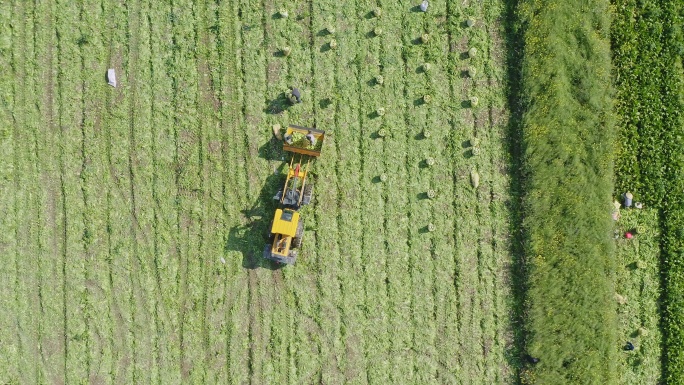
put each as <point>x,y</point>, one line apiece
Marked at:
<point>296,95</point>
<point>288,138</point>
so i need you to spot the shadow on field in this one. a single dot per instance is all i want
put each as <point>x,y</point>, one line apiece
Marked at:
<point>278,105</point>
<point>513,33</point>
<point>250,238</point>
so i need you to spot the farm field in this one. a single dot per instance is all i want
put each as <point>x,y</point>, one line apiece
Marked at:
<point>133,218</point>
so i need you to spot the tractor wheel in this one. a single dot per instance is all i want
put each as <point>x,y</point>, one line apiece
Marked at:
<point>297,240</point>
<point>268,234</point>
<point>308,194</point>
<point>300,229</point>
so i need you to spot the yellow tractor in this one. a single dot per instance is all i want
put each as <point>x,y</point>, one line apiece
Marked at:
<point>287,228</point>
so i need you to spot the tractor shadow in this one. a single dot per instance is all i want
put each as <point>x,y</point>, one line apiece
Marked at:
<point>250,237</point>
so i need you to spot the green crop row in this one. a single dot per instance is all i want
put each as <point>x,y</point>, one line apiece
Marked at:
<point>567,132</point>
<point>647,54</point>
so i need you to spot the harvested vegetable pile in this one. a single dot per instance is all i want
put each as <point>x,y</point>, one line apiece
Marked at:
<point>299,140</point>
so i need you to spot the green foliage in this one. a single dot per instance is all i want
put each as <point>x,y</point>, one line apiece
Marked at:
<point>567,132</point>
<point>647,40</point>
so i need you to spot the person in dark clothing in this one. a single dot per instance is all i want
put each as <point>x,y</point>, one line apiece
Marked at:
<point>297,95</point>
<point>629,346</point>
<point>530,359</point>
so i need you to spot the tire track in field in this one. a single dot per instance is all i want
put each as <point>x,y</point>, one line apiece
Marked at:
<point>156,208</point>
<point>352,365</point>
<point>63,225</point>
<point>332,366</point>
<point>254,308</point>
<point>116,317</point>
<point>138,310</point>
<point>22,291</point>
<point>325,325</point>
<point>182,222</point>
<point>235,187</point>
<point>54,346</point>
<point>229,109</point>
<point>486,257</point>
<point>87,244</point>
<point>205,98</point>
<point>497,119</point>
<point>371,205</point>
<point>38,142</point>
<point>274,85</point>
<point>469,298</point>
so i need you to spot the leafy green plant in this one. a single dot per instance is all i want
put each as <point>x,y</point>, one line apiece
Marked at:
<point>649,84</point>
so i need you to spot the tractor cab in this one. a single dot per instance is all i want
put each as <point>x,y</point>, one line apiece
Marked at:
<point>286,235</point>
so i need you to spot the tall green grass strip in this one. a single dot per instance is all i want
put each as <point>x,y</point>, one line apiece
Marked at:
<point>568,132</point>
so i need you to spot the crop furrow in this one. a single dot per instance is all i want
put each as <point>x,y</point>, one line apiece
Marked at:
<point>23,338</point>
